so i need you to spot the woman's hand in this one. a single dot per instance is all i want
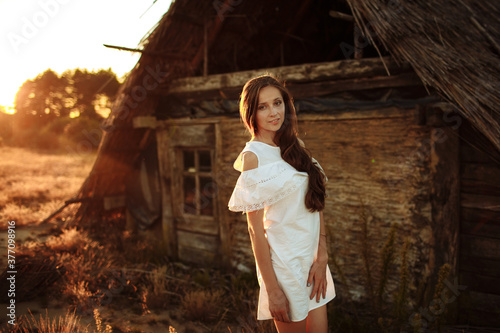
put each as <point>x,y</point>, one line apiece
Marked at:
<point>317,277</point>
<point>278,305</point>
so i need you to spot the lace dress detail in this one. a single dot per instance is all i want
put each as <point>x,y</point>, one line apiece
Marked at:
<point>264,186</point>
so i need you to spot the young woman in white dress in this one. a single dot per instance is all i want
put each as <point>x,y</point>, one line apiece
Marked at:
<point>282,190</point>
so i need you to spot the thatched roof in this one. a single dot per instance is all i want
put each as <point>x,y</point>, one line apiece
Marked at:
<point>450,44</point>
<point>453,46</point>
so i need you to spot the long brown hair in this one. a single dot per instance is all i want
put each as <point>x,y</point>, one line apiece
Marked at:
<point>286,137</point>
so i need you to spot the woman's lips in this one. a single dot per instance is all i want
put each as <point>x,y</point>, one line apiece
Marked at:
<point>275,121</point>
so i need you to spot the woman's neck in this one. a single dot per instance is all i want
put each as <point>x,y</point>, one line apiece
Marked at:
<point>265,138</point>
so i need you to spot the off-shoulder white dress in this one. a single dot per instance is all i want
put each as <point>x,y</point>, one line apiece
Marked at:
<point>292,231</point>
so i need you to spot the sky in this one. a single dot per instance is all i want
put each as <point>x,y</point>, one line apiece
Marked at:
<point>36,35</point>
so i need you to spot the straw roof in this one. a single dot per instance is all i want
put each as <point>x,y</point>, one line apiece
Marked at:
<point>452,46</point>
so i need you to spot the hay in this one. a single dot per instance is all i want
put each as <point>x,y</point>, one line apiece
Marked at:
<point>452,46</point>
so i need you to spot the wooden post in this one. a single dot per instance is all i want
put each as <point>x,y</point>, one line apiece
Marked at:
<point>445,201</point>
<point>167,218</point>
<point>358,49</point>
<point>205,49</point>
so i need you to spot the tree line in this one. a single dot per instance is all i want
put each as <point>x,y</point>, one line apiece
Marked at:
<point>51,105</point>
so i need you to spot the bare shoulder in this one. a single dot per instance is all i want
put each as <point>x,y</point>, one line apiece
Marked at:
<point>249,161</point>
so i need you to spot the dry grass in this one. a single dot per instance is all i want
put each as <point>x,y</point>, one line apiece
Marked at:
<point>33,185</point>
<point>203,305</point>
<point>70,323</point>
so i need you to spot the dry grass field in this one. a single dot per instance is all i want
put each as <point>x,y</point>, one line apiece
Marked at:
<point>33,185</point>
<point>72,279</point>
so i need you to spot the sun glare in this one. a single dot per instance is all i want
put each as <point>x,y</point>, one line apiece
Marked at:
<point>55,34</point>
<point>10,110</point>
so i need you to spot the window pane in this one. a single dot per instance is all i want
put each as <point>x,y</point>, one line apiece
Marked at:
<point>189,195</point>
<point>205,163</point>
<point>208,191</point>
<point>188,156</point>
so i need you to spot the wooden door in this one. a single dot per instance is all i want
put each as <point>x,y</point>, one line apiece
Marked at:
<point>191,223</point>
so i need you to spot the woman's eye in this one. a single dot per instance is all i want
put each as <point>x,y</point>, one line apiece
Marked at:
<point>261,107</point>
<point>278,103</point>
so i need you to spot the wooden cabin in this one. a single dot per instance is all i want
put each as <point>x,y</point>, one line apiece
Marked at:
<point>402,120</point>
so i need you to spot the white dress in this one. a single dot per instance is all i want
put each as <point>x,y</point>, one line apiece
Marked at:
<point>292,231</point>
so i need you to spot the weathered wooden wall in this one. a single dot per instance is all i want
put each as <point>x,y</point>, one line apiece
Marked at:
<point>479,260</point>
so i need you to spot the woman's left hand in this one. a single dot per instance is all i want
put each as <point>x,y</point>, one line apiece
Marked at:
<point>317,277</point>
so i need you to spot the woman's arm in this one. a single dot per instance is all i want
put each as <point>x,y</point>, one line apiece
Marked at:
<point>317,273</point>
<point>278,303</point>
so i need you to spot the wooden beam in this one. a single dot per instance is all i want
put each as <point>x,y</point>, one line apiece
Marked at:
<point>444,174</point>
<point>301,90</point>
<point>144,122</point>
<point>341,16</point>
<point>170,55</point>
<point>337,70</point>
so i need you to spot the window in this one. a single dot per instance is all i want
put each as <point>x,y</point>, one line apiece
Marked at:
<point>198,186</point>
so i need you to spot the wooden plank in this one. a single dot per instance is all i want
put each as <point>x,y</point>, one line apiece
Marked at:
<point>191,136</point>
<point>144,122</point>
<point>479,222</point>
<point>167,216</point>
<point>198,223</point>
<point>342,69</point>
<point>480,309</point>
<point>470,154</point>
<point>482,283</point>
<point>487,173</point>
<point>479,187</point>
<point>330,87</point>
<point>444,169</point>
<point>481,247</point>
<point>387,112</point>
<point>308,89</point>
<point>197,256</point>
<point>485,202</point>
<point>390,112</point>
<point>193,240</point>
<point>220,200</point>
<point>484,266</point>
<point>482,179</point>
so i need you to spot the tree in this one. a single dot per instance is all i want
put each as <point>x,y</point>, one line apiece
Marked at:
<point>74,93</point>
<point>89,87</point>
<point>42,99</point>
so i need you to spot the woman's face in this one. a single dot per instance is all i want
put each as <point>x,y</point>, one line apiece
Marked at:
<point>270,111</point>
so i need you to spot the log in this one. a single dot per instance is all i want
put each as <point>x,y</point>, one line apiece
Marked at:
<point>308,89</point>
<point>342,69</point>
<point>169,55</point>
<point>341,16</point>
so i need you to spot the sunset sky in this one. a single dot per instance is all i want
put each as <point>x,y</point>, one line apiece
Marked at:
<point>66,34</point>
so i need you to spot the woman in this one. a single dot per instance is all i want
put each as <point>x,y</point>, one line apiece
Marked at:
<point>282,190</point>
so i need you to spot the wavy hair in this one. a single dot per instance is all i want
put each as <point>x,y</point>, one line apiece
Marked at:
<point>292,151</point>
